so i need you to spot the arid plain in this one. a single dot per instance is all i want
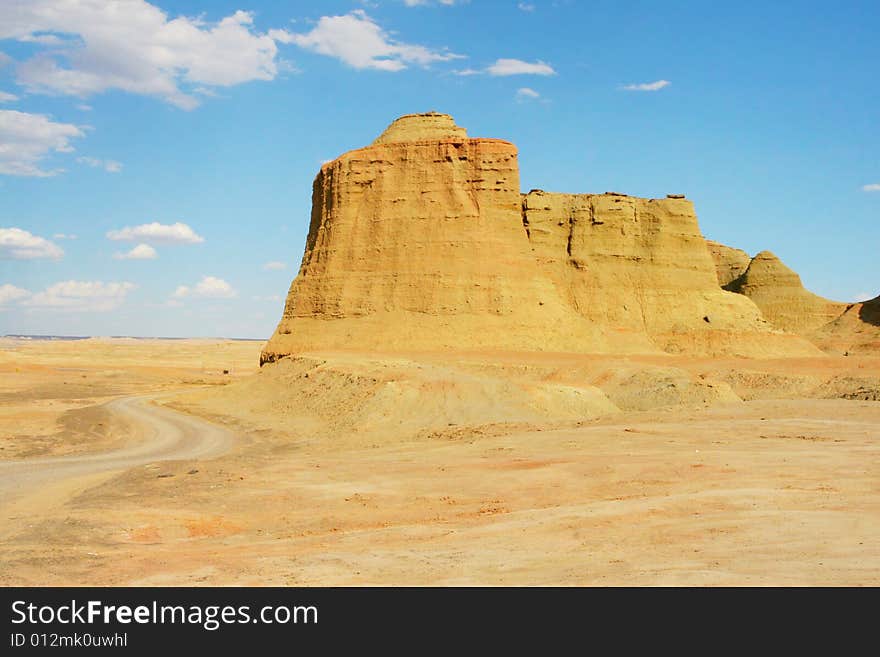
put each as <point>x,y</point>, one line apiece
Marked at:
<point>471,468</point>
<point>467,385</point>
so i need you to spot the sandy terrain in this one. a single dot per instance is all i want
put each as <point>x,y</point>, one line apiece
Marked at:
<point>156,434</point>
<point>52,393</point>
<point>478,468</point>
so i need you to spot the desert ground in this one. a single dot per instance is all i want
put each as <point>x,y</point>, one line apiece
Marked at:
<point>181,462</point>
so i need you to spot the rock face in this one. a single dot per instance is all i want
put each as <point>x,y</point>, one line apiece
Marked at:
<point>782,298</point>
<point>730,263</point>
<point>641,266</point>
<point>417,242</point>
<point>422,240</point>
<point>430,126</point>
<point>833,326</point>
<point>855,331</point>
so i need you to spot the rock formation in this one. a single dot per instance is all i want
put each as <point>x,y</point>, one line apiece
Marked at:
<point>833,326</point>
<point>641,266</point>
<point>856,330</point>
<point>417,242</point>
<point>730,263</point>
<point>782,298</point>
<point>431,126</point>
<point>422,240</point>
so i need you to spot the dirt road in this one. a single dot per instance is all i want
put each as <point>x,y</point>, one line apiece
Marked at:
<point>158,434</point>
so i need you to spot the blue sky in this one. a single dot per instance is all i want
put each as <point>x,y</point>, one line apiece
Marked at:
<point>185,135</point>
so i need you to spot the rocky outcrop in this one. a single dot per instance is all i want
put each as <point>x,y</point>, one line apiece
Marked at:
<point>730,263</point>
<point>835,327</point>
<point>855,331</point>
<point>431,126</point>
<point>641,266</point>
<point>423,241</point>
<point>417,242</point>
<point>782,298</point>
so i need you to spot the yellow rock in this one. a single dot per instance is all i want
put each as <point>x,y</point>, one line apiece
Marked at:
<point>423,241</point>
<point>417,242</point>
<point>730,263</point>
<point>641,266</point>
<point>430,126</point>
<point>833,326</point>
<point>782,298</point>
<point>855,331</point>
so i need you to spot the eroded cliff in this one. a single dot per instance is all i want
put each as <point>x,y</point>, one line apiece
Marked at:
<point>777,290</point>
<point>833,326</point>
<point>730,263</point>
<point>417,242</point>
<point>423,241</point>
<point>855,331</point>
<point>641,266</point>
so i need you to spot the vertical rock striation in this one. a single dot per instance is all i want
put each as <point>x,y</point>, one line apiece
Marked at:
<point>416,241</point>
<point>778,292</point>
<point>639,265</point>
<point>782,298</point>
<point>855,331</point>
<point>730,263</point>
<point>422,240</point>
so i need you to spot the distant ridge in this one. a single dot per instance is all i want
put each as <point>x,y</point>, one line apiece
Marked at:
<point>833,326</point>
<point>22,336</point>
<point>18,336</point>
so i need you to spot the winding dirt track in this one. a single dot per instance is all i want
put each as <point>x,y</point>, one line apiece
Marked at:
<point>159,434</point>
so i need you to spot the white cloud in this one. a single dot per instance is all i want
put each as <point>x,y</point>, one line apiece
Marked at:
<point>361,43</point>
<point>467,71</point>
<point>18,244</point>
<point>91,46</point>
<point>873,187</point>
<point>525,93</point>
<point>7,98</point>
<point>274,265</point>
<point>525,6</point>
<point>423,3</point>
<point>205,91</point>
<point>140,252</point>
<point>63,236</point>
<point>156,233</point>
<point>4,59</point>
<point>44,39</point>
<point>26,139</point>
<point>10,293</point>
<point>81,295</point>
<point>110,166</point>
<point>864,296</point>
<point>503,67</point>
<point>82,107</point>
<point>647,86</point>
<point>210,287</point>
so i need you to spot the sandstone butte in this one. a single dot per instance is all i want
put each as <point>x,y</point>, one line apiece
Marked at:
<point>784,301</point>
<point>423,241</point>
